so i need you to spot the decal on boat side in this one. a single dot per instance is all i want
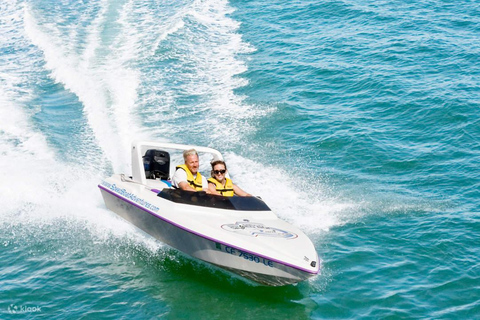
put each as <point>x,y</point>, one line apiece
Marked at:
<point>244,255</point>
<point>130,196</point>
<point>258,229</point>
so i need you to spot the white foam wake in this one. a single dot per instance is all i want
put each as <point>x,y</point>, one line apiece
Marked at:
<point>37,188</point>
<point>102,80</point>
<point>198,68</point>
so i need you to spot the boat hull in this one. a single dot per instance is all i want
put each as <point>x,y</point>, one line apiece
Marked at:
<point>259,268</point>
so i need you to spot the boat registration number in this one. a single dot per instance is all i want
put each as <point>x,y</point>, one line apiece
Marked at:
<point>246,255</point>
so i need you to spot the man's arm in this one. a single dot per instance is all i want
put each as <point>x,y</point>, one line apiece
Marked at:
<point>185,186</point>
<point>179,180</point>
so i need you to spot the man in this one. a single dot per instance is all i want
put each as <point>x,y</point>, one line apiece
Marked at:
<point>186,176</point>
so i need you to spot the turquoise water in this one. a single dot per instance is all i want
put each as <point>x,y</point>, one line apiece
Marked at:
<point>356,121</point>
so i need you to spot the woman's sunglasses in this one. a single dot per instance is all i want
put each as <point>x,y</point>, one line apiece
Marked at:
<point>219,171</point>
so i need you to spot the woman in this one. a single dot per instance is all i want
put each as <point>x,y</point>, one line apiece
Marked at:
<point>221,185</point>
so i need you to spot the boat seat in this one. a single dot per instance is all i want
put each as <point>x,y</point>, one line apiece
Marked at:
<point>156,164</point>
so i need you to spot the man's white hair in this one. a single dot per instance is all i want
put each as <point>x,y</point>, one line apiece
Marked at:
<point>189,152</point>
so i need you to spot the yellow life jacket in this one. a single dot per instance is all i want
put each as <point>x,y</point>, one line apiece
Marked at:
<point>195,183</point>
<point>227,190</point>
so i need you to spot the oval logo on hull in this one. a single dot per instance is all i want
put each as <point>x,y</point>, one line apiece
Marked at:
<point>258,229</point>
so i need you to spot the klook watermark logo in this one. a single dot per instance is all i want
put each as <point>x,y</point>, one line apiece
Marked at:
<point>23,309</point>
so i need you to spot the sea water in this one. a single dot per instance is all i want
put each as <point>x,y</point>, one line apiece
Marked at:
<point>357,121</point>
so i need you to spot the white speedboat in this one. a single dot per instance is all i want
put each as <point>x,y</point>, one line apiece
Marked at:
<point>239,234</point>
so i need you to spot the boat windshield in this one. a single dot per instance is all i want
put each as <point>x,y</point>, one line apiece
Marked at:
<point>213,201</point>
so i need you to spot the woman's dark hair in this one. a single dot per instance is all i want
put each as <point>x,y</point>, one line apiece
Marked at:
<point>214,163</point>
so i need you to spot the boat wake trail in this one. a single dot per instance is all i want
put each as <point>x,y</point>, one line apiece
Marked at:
<point>41,185</point>
<point>100,77</point>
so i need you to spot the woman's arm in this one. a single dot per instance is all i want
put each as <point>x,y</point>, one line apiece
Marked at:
<point>240,192</point>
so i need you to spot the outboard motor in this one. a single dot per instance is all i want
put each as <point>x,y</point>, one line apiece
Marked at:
<point>156,164</point>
